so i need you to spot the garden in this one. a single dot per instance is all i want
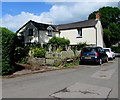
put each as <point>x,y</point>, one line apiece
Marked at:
<point>56,54</point>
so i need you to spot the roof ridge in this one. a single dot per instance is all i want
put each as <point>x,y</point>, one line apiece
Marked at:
<point>39,22</point>
<point>77,22</point>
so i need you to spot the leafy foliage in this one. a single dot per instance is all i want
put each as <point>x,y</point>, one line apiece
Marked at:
<point>81,45</point>
<point>21,53</point>
<point>110,17</point>
<point>8,47</point>
<point>58,42</point>
<point>39,52</point>
<point>115,49</point>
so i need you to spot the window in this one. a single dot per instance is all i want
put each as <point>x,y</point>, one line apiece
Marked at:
<point>79,33</point>
<point>30,32</point>
<point>49,32</point>
<point>100,50</point>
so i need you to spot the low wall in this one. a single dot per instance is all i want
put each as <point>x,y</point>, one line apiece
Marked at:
<point>36,63</point>
<point>63,54</point>
<point>54,57</point>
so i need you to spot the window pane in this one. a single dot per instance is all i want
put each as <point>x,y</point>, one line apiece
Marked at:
<point>49,32</point>
<point>30,32</point>
<point>80,32</point>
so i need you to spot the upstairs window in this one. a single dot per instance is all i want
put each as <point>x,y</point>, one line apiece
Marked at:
<point>79,33</point>
<point>50,30</point>
<point>50,33</point>
<point>30,32</point>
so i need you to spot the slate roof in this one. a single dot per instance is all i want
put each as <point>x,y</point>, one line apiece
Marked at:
<point>80,24</point>
<point>39,26</point>
<point>74,25</point>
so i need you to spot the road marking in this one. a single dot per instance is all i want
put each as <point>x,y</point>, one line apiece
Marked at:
<point>103,74</point>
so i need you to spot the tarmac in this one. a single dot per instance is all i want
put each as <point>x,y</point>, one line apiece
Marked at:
<point>83,90</point>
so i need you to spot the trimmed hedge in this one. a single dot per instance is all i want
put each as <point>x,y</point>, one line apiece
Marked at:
<point>8,46</point>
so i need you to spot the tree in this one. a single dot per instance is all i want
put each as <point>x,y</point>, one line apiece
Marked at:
<point>110,17</point>
<point>8,48</point>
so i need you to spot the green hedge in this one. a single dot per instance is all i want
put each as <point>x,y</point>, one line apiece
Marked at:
<point>8,46</point>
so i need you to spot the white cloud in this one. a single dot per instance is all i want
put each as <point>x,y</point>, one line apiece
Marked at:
<point>15,22</point>
<point>59,13</point>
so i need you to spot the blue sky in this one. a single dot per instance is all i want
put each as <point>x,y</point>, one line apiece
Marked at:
<point>15,8</point>
<point>16,14</point>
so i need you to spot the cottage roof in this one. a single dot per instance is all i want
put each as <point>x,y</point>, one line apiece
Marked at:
<point>80,24</point>
<point>74,25</point>
<point>42,26</point>
<point>39,26</point>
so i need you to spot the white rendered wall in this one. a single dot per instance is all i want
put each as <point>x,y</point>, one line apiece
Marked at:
<point>44,38</point>
<point>88,35</point>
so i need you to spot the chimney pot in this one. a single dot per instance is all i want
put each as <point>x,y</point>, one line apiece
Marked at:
<point>97,16</point>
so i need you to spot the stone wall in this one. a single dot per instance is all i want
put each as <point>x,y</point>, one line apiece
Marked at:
<point>36,63</point>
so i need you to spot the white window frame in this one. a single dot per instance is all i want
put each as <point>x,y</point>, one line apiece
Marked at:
<point>50,31</point>
<point>79,33</point>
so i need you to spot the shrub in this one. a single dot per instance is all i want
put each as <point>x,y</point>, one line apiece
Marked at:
<point>81,45</point>
<point>8,46</point>
<point>21,53</point>
<point>59,49</point>
<point>115,49</point>
<point>39,52</point>
<point>57,42</point>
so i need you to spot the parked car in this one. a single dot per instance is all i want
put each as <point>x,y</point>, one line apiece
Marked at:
<point>93,54</point>
<point>110,53</point>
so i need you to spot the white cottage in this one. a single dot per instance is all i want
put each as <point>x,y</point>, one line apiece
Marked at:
<point>89,31</point>
<point>34,32</point>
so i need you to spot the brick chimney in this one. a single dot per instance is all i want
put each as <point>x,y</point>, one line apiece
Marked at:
<point>97,16</point>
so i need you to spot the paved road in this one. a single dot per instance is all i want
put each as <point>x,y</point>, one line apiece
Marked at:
<point>42,85</point>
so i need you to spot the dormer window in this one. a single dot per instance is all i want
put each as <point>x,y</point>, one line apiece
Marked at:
<point>50,30</point>
<point>79,33</point>
<point>30,32</point>
<point>50,33</point>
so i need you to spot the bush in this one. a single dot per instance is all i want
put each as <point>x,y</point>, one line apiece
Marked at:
<point>57,42</point>
<point>115,49</point>
<point>8,46</point>
<point>21,54</point>
<point>81,45</point>
<point>39,52</point>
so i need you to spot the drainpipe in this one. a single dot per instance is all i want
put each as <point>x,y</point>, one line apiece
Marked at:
<point>96,35</point>
<point>59,34</point>
<point>38,36</point>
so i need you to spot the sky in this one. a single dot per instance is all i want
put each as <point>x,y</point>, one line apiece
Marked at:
<point>16,14</point>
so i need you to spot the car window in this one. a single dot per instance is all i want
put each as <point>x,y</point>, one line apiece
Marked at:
<point>106,50</point>
<point>88,50</point>
<point>100,50</point>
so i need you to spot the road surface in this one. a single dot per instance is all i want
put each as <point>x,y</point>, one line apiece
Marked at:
<point>43,85</point>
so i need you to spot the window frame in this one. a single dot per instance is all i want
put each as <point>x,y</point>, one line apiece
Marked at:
<point>30,32</point>
<point>50,33</point>
<point>79,33</point>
